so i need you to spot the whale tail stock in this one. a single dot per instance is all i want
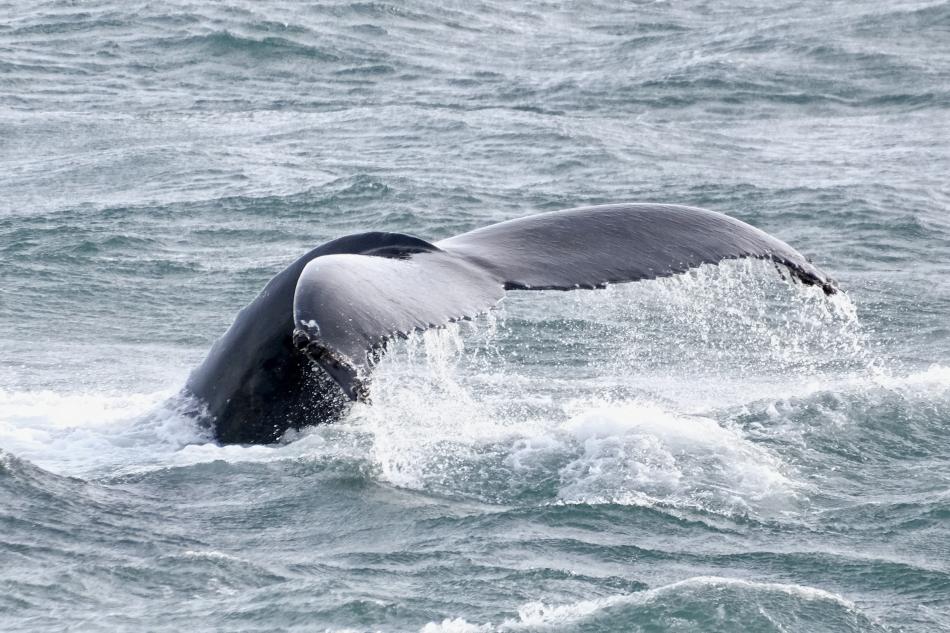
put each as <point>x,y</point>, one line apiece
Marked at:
<point>347,306</point>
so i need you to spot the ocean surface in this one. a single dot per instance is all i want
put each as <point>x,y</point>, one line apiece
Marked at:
<point>721,451</point>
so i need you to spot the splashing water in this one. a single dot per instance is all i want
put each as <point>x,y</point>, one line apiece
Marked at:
<point>455,414</point>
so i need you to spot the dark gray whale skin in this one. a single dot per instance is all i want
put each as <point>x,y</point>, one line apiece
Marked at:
<point>302,351</point>
<point>254,384</point>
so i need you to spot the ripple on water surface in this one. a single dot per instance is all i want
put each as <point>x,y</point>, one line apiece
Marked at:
<point>721,451</point>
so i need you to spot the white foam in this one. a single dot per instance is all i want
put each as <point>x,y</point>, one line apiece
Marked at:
<point>213,555</point>
<point>538,614</point>
<point>802,592</point>
<point>935,379</point>
<point>640,453</point>
<point>77,434</point>
<point>541,615</point>
<point>90,435</point>
<point>455,625</point>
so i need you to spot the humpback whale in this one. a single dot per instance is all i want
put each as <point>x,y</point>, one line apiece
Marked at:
<point>303,350</point>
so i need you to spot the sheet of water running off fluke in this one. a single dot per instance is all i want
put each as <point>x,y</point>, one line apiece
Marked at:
<point>719,451</point>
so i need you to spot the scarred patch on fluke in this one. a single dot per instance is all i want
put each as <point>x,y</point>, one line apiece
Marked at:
<point>333,310</point>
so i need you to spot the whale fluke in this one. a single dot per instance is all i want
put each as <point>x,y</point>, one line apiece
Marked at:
<point>347,306</point>
<point>338,305</point>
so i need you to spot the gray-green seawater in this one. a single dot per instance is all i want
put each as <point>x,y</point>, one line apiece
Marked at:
<point>718,452</point>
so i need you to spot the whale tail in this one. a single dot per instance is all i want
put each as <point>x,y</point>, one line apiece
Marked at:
<point>347,306</point>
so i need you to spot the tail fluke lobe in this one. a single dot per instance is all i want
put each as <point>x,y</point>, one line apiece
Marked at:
<point>589,247</point>
<point>346,306</point>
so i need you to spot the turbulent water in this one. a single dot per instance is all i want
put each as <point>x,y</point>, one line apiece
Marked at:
<point>723,451</point>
